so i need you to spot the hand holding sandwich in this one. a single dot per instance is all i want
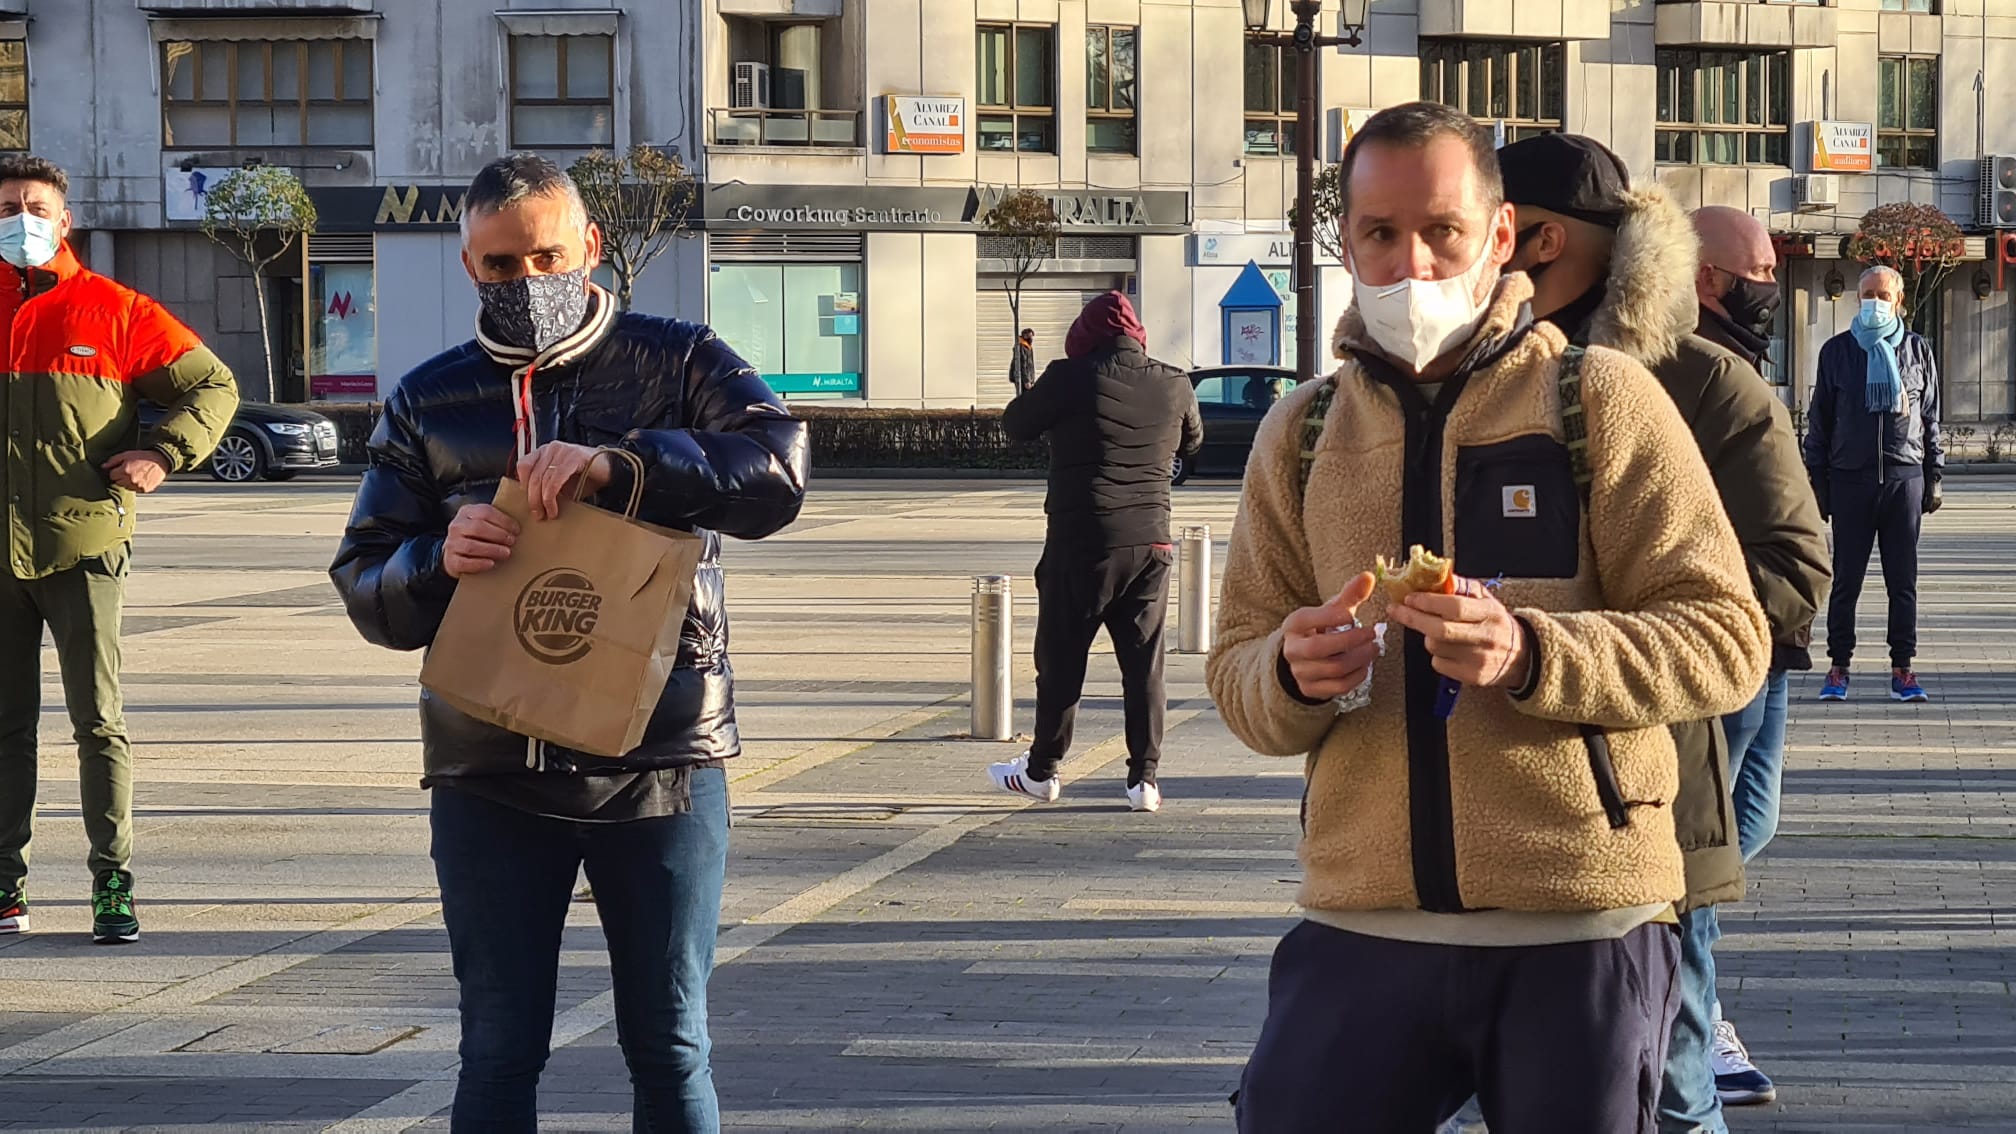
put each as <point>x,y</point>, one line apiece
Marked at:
<point>1473,638</point>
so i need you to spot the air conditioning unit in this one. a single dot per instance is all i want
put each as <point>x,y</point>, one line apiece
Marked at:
<point>750,89</point>
<point>1997,208</point>
<point>1817,190</point>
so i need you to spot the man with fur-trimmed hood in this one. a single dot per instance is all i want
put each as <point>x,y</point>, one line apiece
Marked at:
<point>1615,267</point>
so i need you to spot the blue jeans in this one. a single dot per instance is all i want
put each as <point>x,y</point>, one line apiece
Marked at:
<point>1756,733</point>
<point>1757,762</point>
<point>507,877</point>
<point>1688,1103</point>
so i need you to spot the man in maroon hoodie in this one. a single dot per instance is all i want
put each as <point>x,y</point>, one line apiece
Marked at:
<point>1116,420</point>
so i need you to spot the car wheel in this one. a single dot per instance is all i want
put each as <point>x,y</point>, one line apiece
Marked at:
<point>282,474</point>
<point>238,459</point>
<point>1179,470</point>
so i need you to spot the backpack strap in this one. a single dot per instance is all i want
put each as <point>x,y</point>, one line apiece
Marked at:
<point>1312,429</point>
<point>1574,422</point>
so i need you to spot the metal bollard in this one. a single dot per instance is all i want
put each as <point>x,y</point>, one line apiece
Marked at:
<point>993,654</point>
<point>1193,591</point>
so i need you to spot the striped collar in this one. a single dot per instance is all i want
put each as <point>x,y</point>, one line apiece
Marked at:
<point>593,329</point>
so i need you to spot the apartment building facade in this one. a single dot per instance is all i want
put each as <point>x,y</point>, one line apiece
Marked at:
<point>850,149</point>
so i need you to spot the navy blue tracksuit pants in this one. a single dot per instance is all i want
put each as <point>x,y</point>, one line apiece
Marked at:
<point>1367,1035</point>
<point>1868,515</point>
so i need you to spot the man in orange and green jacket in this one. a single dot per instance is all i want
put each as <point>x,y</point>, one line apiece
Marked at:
<point>81,351</point>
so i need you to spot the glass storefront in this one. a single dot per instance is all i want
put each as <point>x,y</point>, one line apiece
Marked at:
<point>343,332</point>
<point>799,325</point>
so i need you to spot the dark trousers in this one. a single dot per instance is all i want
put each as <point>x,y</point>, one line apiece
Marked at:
<point>507,877</point>
<point>1126,590</point>
<point>1377,1036</point>
<point>1867,516</point>
<point>81,607</point>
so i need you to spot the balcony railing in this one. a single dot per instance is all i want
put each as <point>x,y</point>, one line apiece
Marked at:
<point>813,128</point>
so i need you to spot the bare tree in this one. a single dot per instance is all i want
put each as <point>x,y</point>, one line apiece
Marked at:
<point>1920,242</point>
<point>1328,211</point>
<point>642,201</point>
<point>257,213</point>
<point>1027,226</point>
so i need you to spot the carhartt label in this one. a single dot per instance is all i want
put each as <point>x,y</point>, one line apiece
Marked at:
<point>1519,502</point>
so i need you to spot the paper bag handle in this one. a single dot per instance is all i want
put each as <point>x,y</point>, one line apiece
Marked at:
<point>636,464</point>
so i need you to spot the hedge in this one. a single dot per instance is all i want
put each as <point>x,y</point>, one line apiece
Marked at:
<point>841,438</point>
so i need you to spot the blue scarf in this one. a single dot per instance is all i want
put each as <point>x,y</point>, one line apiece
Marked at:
<point>1880,341</point>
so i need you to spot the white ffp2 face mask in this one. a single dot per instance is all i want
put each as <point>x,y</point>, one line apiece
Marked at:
<point>1418,321</point>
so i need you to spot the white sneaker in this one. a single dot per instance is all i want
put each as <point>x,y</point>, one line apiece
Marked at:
<point>1013,775</point>
<point>1144,797</point>
<point>1737,1080</point>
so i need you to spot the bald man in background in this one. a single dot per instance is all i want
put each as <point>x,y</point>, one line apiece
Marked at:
<point>1737,283</point>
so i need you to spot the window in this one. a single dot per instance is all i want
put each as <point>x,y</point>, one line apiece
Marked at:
<point>1520,84</point>
<point>799,325</point>
<point>13,94</point>
<point>1270,100</point>
<point>1724,107</point>
<point>563,91</point>
<point>1926,6</point>
<point>1018,103</point>
<point>1247,391</point>
<point>1110,55</point>
<point>1907,113</point>
<point>274,93</point>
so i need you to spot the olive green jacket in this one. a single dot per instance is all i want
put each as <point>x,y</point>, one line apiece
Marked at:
<point>81,351</point>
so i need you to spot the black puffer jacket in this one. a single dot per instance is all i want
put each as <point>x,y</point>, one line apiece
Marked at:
<point>1116,420</point>
<point>721,453</point>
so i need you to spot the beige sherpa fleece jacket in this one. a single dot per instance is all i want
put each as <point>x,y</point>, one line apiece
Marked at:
<point>1649,619</point>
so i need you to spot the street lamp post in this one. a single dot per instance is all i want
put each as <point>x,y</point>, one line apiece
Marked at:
<point>1305,40</point>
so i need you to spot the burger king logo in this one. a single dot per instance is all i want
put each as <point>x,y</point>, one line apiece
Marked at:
<point>555,615</point>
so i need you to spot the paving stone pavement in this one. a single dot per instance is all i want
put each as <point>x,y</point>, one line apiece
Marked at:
<point>901,949</point>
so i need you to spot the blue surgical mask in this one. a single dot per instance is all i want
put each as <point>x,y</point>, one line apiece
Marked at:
<point>28,241</point>
<point>1875,313</point>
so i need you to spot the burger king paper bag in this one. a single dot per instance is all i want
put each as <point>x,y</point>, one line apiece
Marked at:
<point>572,638</point>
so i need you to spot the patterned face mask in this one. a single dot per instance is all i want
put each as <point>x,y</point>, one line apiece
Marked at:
<point>534,312</point>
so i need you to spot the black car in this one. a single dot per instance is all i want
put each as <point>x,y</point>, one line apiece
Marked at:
<point>274,442</point>
<point>1232,400</point>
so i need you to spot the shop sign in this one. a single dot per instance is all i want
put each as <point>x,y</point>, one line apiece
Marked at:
<point>1233,250</point>
<point>1086,208</point>
<point>1844,147</point>
<point>814,383</point>
<point>926,125</point>
<point>894,209</point>
<point>389,208</point>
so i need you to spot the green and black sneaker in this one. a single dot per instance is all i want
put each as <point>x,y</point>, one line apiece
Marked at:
<point>13,911</point>
<point>112,920</point>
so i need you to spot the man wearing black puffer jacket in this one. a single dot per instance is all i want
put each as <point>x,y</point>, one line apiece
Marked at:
<point>513,821</point>
<point>1116,420</point>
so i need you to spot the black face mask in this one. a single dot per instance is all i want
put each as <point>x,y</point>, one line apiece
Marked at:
<point>1520,241</point>
<point>534,312</point>
<point>1752,304</point>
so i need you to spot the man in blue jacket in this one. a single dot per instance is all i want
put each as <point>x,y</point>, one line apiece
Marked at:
<point>513,820</point>
<point>1872,449</point>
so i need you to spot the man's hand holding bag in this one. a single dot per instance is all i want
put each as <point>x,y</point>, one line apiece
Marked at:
<point>565,622</point>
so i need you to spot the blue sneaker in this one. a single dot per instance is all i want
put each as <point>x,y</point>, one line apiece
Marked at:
<point>1737,1080</point>
<point>1835,688</point>
<point>1904,687</point>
